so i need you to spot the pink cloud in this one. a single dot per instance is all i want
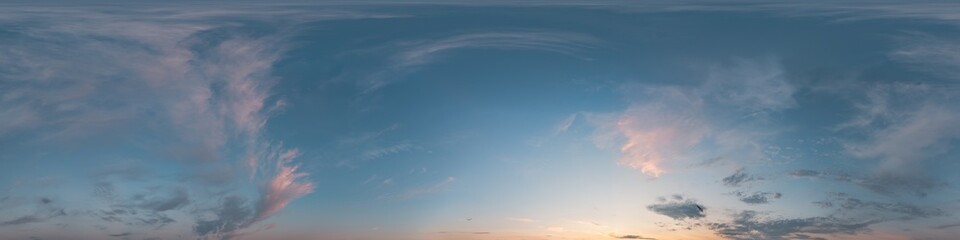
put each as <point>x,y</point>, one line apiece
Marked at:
<point>653,137</point>
<point>284,187</point>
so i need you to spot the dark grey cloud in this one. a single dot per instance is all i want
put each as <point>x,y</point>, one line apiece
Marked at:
<point>750,225</point>
<point>739,177</point>
<point>757,197</point>
<point>678,209</point>
<point>120,234</point>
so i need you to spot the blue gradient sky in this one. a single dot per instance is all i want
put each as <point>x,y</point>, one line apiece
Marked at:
<point>453,120</point>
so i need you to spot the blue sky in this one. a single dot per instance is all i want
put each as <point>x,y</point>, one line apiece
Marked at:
<point>456,120</point>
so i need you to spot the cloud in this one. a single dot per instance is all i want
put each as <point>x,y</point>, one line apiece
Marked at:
<point>287,184</point>
<point>739,177</point>
<point>678,210</point>
<point>22,220</point>
<point>847,205</point>
<point>758,197</point>
<point>880,182</point>
<point>804,173</point>
<point>413,54</point>
<point>904,127</point>
<point>120,234</point>
<point>196,81</point>
<point>630,237</point>
<point>947,226</point>
<point>373,154</point>
<point>524,220</point>
<point>929,53</point>
<point>232,215</point>
<point>564,124</point>
<point>655,133</point>
<point>178,199</point>
<point>749,225</point>
<point>45,211</point>
<point>417,192</point>
<point>670,122</point>
<point>752,85</point>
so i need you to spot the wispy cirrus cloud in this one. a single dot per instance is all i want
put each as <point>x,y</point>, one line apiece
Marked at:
<point>285,186</point>
<point>413,54</point>
<point>420,191</point>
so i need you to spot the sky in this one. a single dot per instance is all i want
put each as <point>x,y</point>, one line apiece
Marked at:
<point>463,120</point>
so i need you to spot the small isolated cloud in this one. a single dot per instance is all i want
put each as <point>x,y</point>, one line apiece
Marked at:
<point>678,209</point>
<point>804,173</point>
<point>739,177</point>
<point>629,236</point>
<point>564,124</point>
<point>524,220</point>
<point>758,197</point>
